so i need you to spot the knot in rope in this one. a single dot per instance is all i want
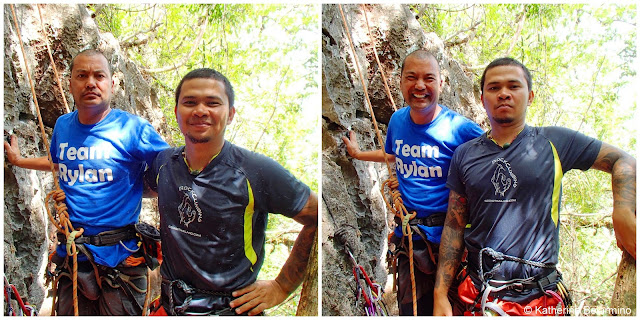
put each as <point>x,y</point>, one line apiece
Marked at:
<point>406,217</point>
<point>398,208</point>
<point>71,238</point>
<point>393,182</point>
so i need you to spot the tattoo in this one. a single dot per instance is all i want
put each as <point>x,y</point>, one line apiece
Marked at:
<point>623,183</point>
<point>292,273</point>
<point>622,167</point>
<point>452,241</point>
<point>607,161</point>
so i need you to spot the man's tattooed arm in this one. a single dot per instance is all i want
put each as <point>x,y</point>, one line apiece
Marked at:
<point>451,249</point>
<point>622,167</point>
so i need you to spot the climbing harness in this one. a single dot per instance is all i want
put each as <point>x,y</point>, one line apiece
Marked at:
<point>491,286</point>
<point>11,293</point>
<point>63,224</point>
<point>398,207</point>
<point>189,292</point>
<point>60,218</point>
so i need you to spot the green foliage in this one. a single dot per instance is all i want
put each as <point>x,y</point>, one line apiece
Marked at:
<point>582,59</point>
<point>589,259</point>
<point>281,235</point>
<point>268,52</point>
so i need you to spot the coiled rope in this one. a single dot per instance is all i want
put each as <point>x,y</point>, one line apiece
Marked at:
<point>63,224</point>
<point>398,207</point>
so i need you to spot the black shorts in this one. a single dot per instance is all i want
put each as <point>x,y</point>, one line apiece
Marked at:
<point>425,274</point>
<point>115,298</point>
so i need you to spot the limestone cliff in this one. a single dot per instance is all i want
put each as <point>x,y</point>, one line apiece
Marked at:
<point>351,188</point>
<point>70,29</point>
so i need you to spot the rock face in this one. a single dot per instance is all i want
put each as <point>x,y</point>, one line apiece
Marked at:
<point>70,30</point>
<point>352,202</point>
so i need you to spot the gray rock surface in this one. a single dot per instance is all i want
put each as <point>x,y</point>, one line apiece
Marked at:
<point>70,29</point>
<point>352,200</point>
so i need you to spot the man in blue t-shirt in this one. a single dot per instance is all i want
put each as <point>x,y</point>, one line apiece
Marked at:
<point>505,202</point>
<point>100,154</point>
<point>421,140</point>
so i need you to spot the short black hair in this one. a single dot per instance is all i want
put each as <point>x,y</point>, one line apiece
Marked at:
<point>207,73</point>
<point>506,61</point>
<point>91,52</point>
<point>421,54</point>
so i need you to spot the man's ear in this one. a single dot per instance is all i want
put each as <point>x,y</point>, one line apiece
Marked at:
<point>232,112</point>
<point>530,99</point>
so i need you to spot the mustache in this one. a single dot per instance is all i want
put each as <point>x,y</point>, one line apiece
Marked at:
<point>199,121</point>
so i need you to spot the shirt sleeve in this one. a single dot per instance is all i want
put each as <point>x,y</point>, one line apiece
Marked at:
<point>53,146</point>
<point>388,144</point>
<point>277,188</point>
<point>150,143</point>
<point>151,175</point>
<point>576,150</point>
<point>454,180</point>
<point>471,131</point>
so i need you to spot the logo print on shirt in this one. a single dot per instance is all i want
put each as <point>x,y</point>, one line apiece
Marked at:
<point>188,208</point>
<point>503,178</point>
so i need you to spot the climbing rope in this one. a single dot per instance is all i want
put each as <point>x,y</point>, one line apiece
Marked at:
<point>398,207</point>
<point>375,54</point>
<point>63,224</point>
<point>486,306</point>
<point>55,70</point>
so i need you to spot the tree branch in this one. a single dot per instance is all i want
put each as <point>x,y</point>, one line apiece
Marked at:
<point>196,43</point>
<point>128,42</point>
<point>450,43</point>
<point>275,107</point>
<point>514,40</point>
<point>593,92</point>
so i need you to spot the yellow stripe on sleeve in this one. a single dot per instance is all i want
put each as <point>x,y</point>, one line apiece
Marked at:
<point>248,228</point>
<point>557,185</point>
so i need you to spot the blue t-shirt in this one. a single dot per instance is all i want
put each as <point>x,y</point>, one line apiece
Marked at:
<point>423,154</point>
<point>101,167</point>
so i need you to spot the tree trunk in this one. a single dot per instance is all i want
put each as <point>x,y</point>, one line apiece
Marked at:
<point>623,302</point>
<point>308,305</point>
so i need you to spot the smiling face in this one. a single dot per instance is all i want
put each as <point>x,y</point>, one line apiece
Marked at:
<point>506,95</point>
<point>91,84</point>
<point>203,111</point>
<point>420,82</point>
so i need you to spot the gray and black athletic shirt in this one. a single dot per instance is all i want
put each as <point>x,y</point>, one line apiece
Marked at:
<point>514,194</point>
<point>213,224</point>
